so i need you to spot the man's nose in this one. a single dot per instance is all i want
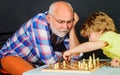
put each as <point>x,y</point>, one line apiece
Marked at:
<point>65,25</point>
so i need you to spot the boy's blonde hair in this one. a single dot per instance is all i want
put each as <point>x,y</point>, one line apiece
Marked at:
<point>98,21</point>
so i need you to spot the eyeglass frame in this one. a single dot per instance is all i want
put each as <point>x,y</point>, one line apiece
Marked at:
<point>62,21</point>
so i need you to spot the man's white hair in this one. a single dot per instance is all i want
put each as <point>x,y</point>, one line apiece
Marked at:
<point>52,6</point>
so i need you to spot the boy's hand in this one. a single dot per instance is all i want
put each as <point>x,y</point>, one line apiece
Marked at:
<point>67,55</point>
<point>115,62</point>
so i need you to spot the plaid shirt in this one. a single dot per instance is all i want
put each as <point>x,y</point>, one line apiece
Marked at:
<point>32,42</point>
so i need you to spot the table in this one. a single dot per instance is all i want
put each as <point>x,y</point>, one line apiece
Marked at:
<point>104,70</point>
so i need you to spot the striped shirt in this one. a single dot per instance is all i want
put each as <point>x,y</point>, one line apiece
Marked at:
<point>33,42</point>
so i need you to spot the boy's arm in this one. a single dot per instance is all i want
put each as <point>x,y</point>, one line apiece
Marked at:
<point>85,47</point>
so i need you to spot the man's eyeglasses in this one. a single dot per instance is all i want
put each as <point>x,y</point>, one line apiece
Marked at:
<point>62,21</point>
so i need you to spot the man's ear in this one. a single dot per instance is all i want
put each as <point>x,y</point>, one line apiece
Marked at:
<point>48,18</point>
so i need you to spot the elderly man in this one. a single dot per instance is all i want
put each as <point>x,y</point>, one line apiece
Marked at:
<point>41,40</point>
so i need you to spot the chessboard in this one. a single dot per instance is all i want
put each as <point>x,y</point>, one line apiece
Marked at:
<point>83,66</point>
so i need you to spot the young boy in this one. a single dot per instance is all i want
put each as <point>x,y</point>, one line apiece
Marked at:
<point>100,29</point>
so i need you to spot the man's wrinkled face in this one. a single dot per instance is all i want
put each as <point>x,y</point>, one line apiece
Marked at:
<point>61,25</point>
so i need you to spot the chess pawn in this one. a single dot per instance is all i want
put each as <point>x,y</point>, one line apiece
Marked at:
<point>79,64</point>
<point>58,65</point>
<point>86,66</point>
<point>94,63</point>
<point>84,61</point>
<point>82,66</point>
<point>64,64</point>
<point>90,65</point>
<point>93,56</point>
<point>90,59</point>
<point>55,66</point>
<point>98,61</point>
<point>51,65</point>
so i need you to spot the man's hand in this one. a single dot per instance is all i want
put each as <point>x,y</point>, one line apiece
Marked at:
<point>76,18</point>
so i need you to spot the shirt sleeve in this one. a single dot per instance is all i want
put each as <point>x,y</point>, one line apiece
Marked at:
<point>40,38</point>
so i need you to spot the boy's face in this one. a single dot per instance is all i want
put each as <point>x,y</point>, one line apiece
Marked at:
<point>94,36</point>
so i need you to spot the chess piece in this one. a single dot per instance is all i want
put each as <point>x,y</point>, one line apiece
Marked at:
<point>90,59</point>
<point>56,66</point>
<point>86,66</point>
<point>93,56</point>
<point>82,66</point>
<point>51,65</point>
<point>94,61</point>
<point>64,64</point>
<point>98,61</point>
<point>90,63</point>
<point>84,61</point>
<point>79,64</point>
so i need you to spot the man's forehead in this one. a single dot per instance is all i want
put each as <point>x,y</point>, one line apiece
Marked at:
<point>64,16</point>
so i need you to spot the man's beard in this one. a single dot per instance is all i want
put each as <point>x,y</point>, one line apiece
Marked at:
<point>61,33</point>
